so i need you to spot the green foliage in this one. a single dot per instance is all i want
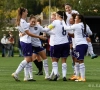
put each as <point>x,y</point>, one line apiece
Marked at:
<point>8,8</point>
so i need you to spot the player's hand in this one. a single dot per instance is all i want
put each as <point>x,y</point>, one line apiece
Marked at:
<point>43,38</point>
<point>21,34</point>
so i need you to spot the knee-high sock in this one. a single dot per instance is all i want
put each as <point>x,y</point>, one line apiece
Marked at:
<point>36,63</point>
<point>90,49</point>
<point>82,70</point>
<point>26,72</point>
<point>77,69</point>
<point>30,70</point>
<point>52,73</point>
<point>45,66</point>
<point>21,66</point>
<point>40,66</point>
<point>64,69</point>
<point>55,67</point>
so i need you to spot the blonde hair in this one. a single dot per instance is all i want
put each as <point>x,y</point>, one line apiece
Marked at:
<point>19,15</point>
<point>32,16</point>
<point>54,14</point>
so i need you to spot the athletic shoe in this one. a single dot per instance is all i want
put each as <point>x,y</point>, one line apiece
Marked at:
<point>15,76</point>
<point>64,79</point>
<point>73,77</point>
<point>47,77</point>
<point>31,80</point>
<point>80,80</point>
<point>50,79</point>
<point>55,78</point>
<point>94,56</point>
<point>25,79</point>
<point>39,73</point>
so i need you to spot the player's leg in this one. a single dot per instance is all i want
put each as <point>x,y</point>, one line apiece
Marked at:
<point>27,52</point>
<point>64,54</point>
<point>45,63</point>
<point>81,49</point>
<point>90,49</point>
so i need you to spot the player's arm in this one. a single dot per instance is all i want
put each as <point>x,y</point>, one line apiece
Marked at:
<point>33,35</point>
<point>69,27</point>
<point>44,29</point>
<point>51,26</point>
<point>71,34</point>
<point>89,32</point>
<point>21,34</point>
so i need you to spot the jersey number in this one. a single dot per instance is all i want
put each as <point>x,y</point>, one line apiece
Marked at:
<point>63,31</point>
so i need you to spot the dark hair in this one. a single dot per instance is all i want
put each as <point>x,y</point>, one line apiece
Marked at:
<point>74,15</point>
<point>32,16</point>
<point>82,20</point>
<point>39,20</point>
<point>62,15</point>
<point>67,4</point>
<point>19,15</point>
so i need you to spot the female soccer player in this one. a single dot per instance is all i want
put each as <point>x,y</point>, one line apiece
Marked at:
<point>24,40</point>
<point>80,33</point>
<point>69,12</point>
<point>53,17</point>
<point>36,44</point>
<point>61,44</point>
<point>38,62</point>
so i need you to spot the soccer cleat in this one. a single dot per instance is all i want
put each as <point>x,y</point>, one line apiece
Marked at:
<point>31,80</point>
<point>40,73</point>
<point>15,76</point>
<point>50,79</point>
<point>73,77</point>
<point>94,56</point>
<point>64,79</point>
<point>47,77</point>
<point>55,78</point>
<point>80,80</point>
<point>25,79</point>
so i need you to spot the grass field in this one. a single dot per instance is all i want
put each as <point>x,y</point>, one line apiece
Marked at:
<point>9,64</point>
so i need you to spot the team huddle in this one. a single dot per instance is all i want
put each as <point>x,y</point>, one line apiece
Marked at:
<point>69,35</point>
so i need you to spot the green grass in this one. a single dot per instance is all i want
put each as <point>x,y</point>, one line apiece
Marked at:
<point>9,64</point>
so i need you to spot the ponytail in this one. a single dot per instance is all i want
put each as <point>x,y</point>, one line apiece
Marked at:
<point>19,15</point>
<point>82,20</point>
<point>62,15</point>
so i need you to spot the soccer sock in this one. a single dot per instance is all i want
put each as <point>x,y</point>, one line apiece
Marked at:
<point>21,66</point>
<point>30,70</point>
<point>45,66</point>
<point>82,70</point>
<point>55,67</point>
<point>90,49</point>
<point>36,63</point>
<point>52,73</point>
<point>26,72</point>
<point>58,73</point>
<point>40,66</point>
<point>77,69</point>
<point>64,69</point>
<point>74,70</point>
